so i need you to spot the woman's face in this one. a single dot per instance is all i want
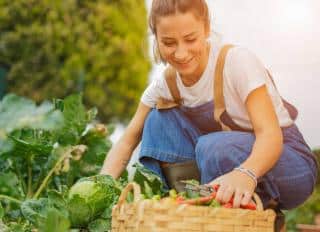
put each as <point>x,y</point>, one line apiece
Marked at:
<point>182,43</point>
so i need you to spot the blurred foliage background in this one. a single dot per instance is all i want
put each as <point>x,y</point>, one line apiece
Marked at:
<point>51,49</point>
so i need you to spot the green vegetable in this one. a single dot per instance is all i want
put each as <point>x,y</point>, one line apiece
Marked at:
<point>173,193</point>
<point>148,190</point>
<point>154,184</point>
<point>156,197</point>
<point>89,197</point>
<point>214,203</point>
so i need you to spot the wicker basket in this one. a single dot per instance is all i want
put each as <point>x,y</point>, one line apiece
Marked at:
<point>149,215</point>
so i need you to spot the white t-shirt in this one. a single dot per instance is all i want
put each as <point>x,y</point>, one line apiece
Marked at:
<point>242,73</point>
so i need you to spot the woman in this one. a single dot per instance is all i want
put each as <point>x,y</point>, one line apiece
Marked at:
<point>264,150</point>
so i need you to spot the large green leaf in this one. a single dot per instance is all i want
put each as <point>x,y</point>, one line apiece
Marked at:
<point>25,125</point>
<point>143,175</point>
<point>75,117</point>
<point>35,210</point>
<point>54,221</point>
<point>31,142</point>
<point>10,185</point>
<point>47,214</point>
<point>18,112</point>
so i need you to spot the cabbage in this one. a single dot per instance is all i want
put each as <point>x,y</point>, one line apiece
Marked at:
<point>89,197</point>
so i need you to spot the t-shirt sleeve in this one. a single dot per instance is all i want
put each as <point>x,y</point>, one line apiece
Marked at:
<point>244,72</point>
<point>154,91</point>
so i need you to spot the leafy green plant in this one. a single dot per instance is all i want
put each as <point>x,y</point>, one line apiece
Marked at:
<point>44,150</point>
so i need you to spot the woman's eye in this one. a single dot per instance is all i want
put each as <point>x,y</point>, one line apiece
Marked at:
<point>169,44</point>
<point>191,40</point>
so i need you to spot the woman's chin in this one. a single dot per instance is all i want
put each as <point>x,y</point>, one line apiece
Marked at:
<point>185,71</point>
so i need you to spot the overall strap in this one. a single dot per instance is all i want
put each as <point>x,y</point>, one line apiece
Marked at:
<point>171,80</point>
<point>218,97</point>
<point>220,113</point>
<point>292,110</point>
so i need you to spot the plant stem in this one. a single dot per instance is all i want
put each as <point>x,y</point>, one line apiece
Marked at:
<point>46,179</point>
<point>10,199</point>
<point>29,193</point>
<point>21,179</point>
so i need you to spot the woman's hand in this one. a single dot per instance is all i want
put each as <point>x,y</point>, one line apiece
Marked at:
<point>234,184</point>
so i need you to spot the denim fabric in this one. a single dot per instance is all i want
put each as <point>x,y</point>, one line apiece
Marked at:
<point>182,134</point>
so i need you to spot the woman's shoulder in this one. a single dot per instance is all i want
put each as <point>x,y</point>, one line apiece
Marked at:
<point>241,61</point>
<point>158,85</point>
<point>243,71</point>
<point>239,55</point>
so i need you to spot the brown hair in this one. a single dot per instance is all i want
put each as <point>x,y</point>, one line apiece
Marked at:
<point>169,7</point>
<point>161,8</point>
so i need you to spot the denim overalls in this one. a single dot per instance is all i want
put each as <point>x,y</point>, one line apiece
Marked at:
<point>182,134</point>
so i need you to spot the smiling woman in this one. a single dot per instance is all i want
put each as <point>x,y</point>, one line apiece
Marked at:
<point>223,114</point>
<point>187,50</point>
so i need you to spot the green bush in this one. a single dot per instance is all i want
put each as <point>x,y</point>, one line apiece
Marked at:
<point>54,48</point>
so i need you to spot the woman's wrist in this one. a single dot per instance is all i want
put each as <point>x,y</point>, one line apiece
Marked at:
<point>249,173</point>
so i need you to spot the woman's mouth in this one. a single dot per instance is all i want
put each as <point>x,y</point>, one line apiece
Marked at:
<point>184,64</point>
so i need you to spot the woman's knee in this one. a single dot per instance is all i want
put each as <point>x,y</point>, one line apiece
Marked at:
<point>218,153</point>
<point>224,145</point>
<point>157,119</point>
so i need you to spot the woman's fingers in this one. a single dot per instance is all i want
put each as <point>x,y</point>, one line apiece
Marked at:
<point>237,198</point>
<point>246,198</point>
<point>236,186</point>
<point>224,193</point>
<point>228,193</point>
<point>220,193</point>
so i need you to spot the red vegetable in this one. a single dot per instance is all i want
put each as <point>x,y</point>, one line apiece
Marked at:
<point>197,201</point>
<point>180,199</point>
<point>227,205</point>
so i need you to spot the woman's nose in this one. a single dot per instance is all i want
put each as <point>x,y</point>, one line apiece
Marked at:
<point>180,53</point>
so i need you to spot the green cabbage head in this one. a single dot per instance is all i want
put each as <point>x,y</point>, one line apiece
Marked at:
<point>89,197</point>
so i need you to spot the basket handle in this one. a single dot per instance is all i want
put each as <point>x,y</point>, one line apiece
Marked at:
<point>258,202</point>
<point>136,193</point>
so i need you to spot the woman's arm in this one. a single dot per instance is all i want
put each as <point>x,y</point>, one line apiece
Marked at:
<point>268,143</point>
<point>118,157</point>
<point>265,152</point>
